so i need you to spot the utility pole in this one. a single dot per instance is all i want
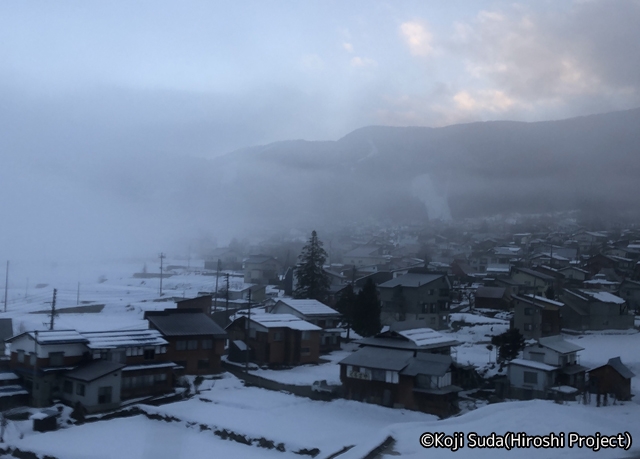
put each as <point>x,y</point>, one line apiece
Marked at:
<point>6,287</point>
<point>226,295</point>
<point>215,298</point>
<point>248,331</point>
<point>53,309</point>
<point>162,257</point>
<point>78,295</point>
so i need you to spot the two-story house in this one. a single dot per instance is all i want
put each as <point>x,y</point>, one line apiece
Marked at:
<point>317,313</point>
<point>531,281</point>
<point>277,339</point>
<point>417,295</point>
<point>261,269</point>
<point>593,310</point>
<point>536,316</point>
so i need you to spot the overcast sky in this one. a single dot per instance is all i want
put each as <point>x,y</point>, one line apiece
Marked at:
<point>86,85</point>
<point>259,71</point>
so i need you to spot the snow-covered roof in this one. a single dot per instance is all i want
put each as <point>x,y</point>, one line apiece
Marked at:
<point>124,338</point>
<point>620,367</point>
<point>558,344</point>
<point>424,336</point>
<point>309,307</point>
<point>542,298</point>
<point>148,366</point>
<point>54,337</point>
<point>379,358</point>
<point>532,364</point>
<point>283,321</point>
<point>604,297</point>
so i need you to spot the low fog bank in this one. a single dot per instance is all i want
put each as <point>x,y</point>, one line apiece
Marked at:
<point>118,184</point>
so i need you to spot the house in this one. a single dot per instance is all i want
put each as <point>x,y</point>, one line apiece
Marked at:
<point>367,255</point>
<point>241,291</point>
<point>555,351</point>
<point>573,275</point>
<point>612,378</point>
<point>277,339</point>
<point>593,310</point>
<point>630,292</point>
<point>491,298</point>
<point>147,369</point>
<point>536,316</point>
<point>201,302</point>
<point>400,378</point>
<point>261,269</point>
<point>194,341</point>
<point>417,295</point>
<point>317,313</point>
<point>529,379</point>
<point>411,336</point>
<point>41,357</point>
<point>532,281</point>
<point>95,386</point>
<point>227,258</point>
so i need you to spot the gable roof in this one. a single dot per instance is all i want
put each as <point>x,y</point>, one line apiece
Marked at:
<point>537,274</point>
<point>620,367</point>
<point>94,370</point>
<point>282,321</point>
<point>556,343</point>
<point>415,339</point>
<point>425,363</point>
<point>52,337</point>
<point>308,307</point>
<point>176,322</point>
<point>124,338</point>
<point>490,292</point>
<point>532,364</point>
<point>411,280</point>
<point>379,358</point>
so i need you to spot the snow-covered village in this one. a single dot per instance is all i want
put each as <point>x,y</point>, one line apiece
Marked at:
<point>351,353</point>
<point>324,229</point>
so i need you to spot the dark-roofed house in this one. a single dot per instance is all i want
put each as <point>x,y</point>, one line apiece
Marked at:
<point>400,378</point>
<point>277,339</point>
<point>317,313</point>
<point>593,310</point>
<point>94,385</point>
<point>411,339</point>
<point>195,341</point>
<point>261,269</point>
<point>614,378</point>
<point>630,292</point>
<point>536,316</point>
<point>491,298</point>
<point>417,295</point>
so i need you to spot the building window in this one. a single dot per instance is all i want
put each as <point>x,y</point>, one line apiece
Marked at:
<point>104,394</point>
<point>20,356</point>
<point>202,364</point>
<point>32,358</point>
<point>378,375</point>
<point>181,345</point>
<point>537,356</point>
<point>161,378</point>
<point>207,344</point>
<point>149,354</point>
<point>306,335</point>
<point>253,333</point>
<point>305,351</point>
<point>528,327</point>
<point>278,336</point>
<point>528,311</point>
<point>80,389</point>
<point>530,377</point>
<point>68,387</point>
<point>192,344</point>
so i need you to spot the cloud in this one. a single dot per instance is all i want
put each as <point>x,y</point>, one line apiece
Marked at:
<point>362,62</point>
<point>417,37</point>
<point>484,100</point>
<point>348,47</point>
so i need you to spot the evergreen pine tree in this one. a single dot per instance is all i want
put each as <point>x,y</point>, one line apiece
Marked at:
<point>346,305</point>
<point>313,281</point>
<point>366,317</point>
<point>509,343</point>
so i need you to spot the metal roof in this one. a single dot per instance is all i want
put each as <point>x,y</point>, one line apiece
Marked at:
<point>53,337</point>
<point>620,367</point>
<point>412,280</point>
<point>185,324</point>
<point>283,321</point>
<point>379,358</point>
<point>425,363</point>
<point>532,364</point>
<point>308,307</point>
<point>94,370</point>
<point>490,292</point>
<point>124,338</point>
<point>556,343</point>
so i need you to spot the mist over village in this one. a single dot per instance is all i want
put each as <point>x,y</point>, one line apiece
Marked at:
<point>336,230</point>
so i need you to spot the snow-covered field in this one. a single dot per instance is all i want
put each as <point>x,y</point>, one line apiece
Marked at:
<point>297,423</point>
